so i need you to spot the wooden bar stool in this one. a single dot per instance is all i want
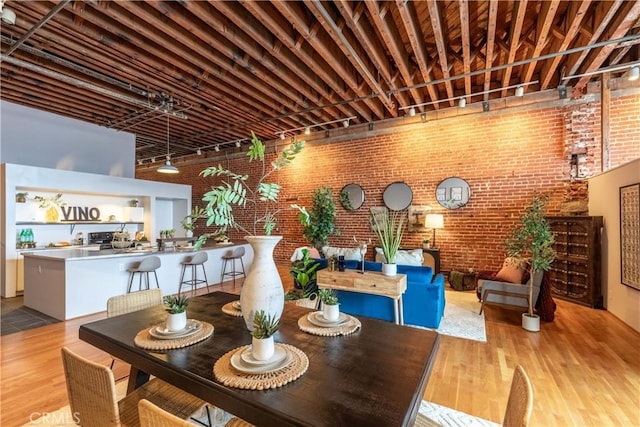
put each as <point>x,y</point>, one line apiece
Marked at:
<point>194,261</point>
<point>148,265</point>
<point>232,256</point>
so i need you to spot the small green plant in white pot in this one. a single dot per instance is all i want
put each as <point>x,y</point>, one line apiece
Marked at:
<point>389,228</point>
<point>330,304</point>
<point>176,307</point>
<point>264,326</point>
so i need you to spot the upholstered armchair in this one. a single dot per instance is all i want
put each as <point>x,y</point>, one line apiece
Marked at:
<point>509,287</point>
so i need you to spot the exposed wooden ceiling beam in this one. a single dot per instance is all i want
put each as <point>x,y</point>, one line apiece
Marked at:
<point>545,20</point>
<point>491,37</point>
<point>439,35</point>
<point>466,43</point>
<point>517,19</point>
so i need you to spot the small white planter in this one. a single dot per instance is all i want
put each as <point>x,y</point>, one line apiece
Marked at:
<point>262,349</point>
<point>176,322</point>
<point>389,269</point>
<point>331,312</point>
<point>531,323</point>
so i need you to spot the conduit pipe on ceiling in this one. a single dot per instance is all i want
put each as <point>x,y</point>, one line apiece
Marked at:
<point>86,85</point>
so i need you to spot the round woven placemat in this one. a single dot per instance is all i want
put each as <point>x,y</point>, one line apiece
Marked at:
<point>348,328</point>
<point>146,341</point>
<point>229,309</point>
<point>229,376</point>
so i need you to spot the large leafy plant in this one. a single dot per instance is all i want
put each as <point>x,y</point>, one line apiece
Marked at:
<point>533,239</point>
<point>322,218</point>
<point>304,272</point>
<point>234,191</point>
<point>389,228</point>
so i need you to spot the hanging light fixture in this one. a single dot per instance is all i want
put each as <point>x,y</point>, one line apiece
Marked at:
<point>168,167</point>
<point>634,73</point>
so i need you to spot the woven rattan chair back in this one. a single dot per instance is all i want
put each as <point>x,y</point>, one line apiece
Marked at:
<point>91,390</point>
<point>520,403</point>
<point>237,422</point>
<point>123,304</point>
<point>154,416</point>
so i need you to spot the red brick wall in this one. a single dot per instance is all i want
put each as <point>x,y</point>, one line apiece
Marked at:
<point>504,156</point>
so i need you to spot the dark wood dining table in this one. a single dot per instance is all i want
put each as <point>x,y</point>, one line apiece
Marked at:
<point>375,376</point>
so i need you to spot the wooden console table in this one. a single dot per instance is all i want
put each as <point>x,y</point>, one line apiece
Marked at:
<point>369,282</point>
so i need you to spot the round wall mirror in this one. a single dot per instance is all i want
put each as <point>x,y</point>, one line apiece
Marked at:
<point>397,196</point>
<point>453,193</point>
<point>352,197</point>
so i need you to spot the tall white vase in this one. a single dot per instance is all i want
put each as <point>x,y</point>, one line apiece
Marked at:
<point>262,288</point>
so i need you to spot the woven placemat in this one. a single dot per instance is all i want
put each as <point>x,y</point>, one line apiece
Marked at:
<point>229,376</point>
<point>229,309</point>
<point>146,341</point>
<point>345,329</point>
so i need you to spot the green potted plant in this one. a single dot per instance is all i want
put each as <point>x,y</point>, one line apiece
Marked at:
<point>21,197</point>
<point>389,228</point>
<point>51,204</point>
<point>133,203</point>
<point>322,218</point>
<point>330,304</point>
<point>264,326</point>
<point>262,289</point>
<point>426,244</point>
<point>189,222</point>
<point>176,307</point>
<point>533,239</point>
<point>304,273</point>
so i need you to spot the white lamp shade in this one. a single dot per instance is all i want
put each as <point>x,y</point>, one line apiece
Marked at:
<point>434,221</point>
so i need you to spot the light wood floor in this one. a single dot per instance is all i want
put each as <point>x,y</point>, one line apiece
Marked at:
<point>585,368</point>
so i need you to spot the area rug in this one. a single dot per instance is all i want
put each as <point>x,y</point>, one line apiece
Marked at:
<point>461,318</point>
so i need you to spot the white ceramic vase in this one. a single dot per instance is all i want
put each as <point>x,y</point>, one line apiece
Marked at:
<point>176,322</point>
<point>331,312</point>
<point>262,288</point>
<point>262,349</point>
<point>389,269</point>
<point>531,323</point>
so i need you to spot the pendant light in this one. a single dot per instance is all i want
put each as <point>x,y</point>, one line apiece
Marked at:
<point>168,167</point>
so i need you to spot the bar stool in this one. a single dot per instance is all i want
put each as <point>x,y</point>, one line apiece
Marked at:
<point>194,261</point>
<point>232,256</point>
<point>146,266</point>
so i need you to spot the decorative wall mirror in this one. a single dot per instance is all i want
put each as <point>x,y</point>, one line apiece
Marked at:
<point>351,197</point>
<point>453,193</point>
<point>397,196</point>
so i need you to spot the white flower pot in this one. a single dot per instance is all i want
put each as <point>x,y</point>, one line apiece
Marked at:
<point>176,322</point>
<point>531,323</point>
<point>389,269</point>
<point>262,288</point>
<point>262,349</point>
<point>331,312</point>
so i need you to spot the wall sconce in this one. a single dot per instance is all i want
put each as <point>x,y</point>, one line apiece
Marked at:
<point>434,221</point>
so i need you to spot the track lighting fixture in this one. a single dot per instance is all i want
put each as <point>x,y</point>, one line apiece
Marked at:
<point>282,136</point>
<point>345,123</point>
<point>238,144</point>
<point>412,111</point>
<point>520,91</point>
<point>7,15</point>
<point>462,102</point>
<point>307,129</point>
<point>634,73</point>
<point>199,152</point>
<point>216,148</point>
<point>153,160</point>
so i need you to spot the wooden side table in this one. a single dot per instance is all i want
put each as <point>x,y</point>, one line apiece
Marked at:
<point>435,254</point>
<point>369,282</point>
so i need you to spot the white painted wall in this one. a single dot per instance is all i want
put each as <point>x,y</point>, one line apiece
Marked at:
<point>604,199</point>
<point>38,138</point>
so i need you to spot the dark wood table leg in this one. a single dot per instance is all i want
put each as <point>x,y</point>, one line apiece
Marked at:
<point>136,379</point>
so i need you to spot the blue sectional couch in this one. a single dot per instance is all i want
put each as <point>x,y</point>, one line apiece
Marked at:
<point>423,302</point>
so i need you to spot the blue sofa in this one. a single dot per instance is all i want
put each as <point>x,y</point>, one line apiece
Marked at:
<point>423,302</point>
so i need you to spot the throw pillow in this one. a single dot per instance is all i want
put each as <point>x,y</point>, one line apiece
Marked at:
<point>412,257</point>
<point>512,271</point>
<point>348,253</point>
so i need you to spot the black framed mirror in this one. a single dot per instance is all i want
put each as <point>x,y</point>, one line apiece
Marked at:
<point>352,197</point>
<point>397,196</point>
<point>453,193</point>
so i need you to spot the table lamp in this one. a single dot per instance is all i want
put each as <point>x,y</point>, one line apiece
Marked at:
<point>434,221</point>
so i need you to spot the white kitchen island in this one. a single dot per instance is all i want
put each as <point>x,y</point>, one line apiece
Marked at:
<point>69,283</point>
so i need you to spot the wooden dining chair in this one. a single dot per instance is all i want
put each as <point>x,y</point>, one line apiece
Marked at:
<point>153,416</point>
<point>92,395</point>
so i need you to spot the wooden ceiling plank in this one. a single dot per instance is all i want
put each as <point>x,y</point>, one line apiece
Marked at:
<point>544,23</point>
<point>254,29</point>
<point>622,22</point>
<point>436,23</point>
<point>466,43</point>
<point>573,19</point>
<point>293,12</point>
<point>416,38</point>
<point>327,74</point>
<point>517,19</point>
<point>491,37</point>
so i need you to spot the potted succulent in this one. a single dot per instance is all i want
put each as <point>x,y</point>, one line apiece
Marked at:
<point>305,290</point>
<point>322,218</point>
<point>176,307</point>
<point>21,197</point>
<point>389,228</point>
<point>533,239</point>
<point>330,304</point>
<point>264,326</point>
<point>262,289</point>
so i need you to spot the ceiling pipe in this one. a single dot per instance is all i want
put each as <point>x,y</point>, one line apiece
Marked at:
<point>57,8</point>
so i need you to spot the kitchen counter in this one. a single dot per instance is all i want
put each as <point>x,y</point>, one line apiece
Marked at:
<point>68,283</point>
